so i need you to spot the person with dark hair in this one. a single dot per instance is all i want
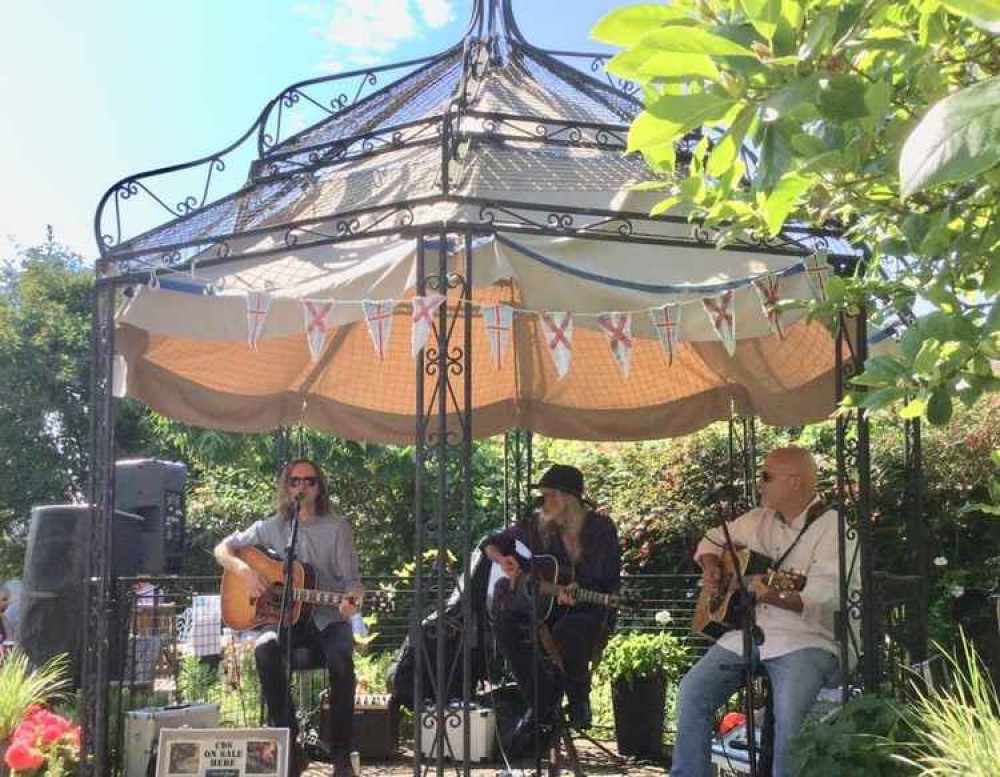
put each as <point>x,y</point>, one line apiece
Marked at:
<point>584,542</point>
<point>326,542</point>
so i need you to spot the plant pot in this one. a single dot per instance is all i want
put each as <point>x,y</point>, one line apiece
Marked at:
<point>638,707</point>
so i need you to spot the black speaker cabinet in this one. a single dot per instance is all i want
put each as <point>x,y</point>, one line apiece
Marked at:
<point>154,490</point>
<point>55,564</point>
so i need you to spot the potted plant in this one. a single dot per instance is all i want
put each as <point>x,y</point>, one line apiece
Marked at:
<point>639,665</point>
<point>23,692</point>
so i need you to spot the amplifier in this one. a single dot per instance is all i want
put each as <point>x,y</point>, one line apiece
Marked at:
<point>142,731</point>
<point>482,733</point>
<point>374,729</point>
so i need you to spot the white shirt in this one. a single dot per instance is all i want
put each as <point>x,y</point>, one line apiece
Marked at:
<point>816,555</point>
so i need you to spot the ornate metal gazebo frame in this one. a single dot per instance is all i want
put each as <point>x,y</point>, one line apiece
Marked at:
<point>443,432</point>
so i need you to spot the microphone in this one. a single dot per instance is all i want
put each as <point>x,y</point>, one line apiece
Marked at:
<point>723,493</point>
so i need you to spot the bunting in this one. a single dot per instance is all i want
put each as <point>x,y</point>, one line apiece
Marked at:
<point>317,317</point>
<point>667,322</point>
<point>720,312</point>
<point>618,328</point>
<point>424,309</point>
<point>499,320</point>
<point>817,271</point>
<point>378,317</point>
<point>768,289</point>
<point>258,305</point>
<point>558,331</point>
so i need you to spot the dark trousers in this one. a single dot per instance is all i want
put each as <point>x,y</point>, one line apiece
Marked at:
<point>576,636</point>
<point>336,645</point>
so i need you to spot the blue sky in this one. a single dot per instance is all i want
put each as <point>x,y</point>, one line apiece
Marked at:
<point>94,91</point>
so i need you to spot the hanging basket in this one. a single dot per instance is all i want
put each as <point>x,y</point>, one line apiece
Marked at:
<point>638,707</point>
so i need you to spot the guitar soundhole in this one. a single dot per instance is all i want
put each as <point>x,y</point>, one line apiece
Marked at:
<point>269,604</point>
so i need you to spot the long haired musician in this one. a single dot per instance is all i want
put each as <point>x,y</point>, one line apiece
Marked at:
<point>583,543</point>
<point>799,650</point>
<point>326,543</point>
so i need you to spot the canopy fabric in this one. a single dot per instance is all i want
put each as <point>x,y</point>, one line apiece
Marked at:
<point>187,354</point>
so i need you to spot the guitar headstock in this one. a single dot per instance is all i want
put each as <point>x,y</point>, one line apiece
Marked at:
<point>786,579</point>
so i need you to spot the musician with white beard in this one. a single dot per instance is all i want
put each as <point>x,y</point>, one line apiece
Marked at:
<point>584,542</point>
<point>325,542</point>
<point>799,649</point>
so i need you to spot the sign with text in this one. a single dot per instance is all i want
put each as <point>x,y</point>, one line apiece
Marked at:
<point>222,752</point>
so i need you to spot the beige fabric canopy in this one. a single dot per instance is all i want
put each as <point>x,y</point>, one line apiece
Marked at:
<point>187,354</point>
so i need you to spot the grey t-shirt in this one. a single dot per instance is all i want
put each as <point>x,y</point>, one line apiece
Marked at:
<point>326,543</point>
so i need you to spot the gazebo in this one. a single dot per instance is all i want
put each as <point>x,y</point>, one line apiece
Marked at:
<point>450,248</point>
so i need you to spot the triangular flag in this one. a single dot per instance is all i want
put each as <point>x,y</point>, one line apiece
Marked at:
<point>817,271</point>
<point>558,332</point>
<point>618,328</point>
<point>667,321</point>
<point>378,316</point>
<point>768,289</point>
<point>424,309</point>
<point>720,312</point>
<point>317,315</point>
<point>498,320</point>
<point>258,305</point>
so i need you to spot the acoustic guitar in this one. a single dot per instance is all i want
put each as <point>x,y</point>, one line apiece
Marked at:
<point>541,575</point>
<point>241,611</point>
<point>715,614</point>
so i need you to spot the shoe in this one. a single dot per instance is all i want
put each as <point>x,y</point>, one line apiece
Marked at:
<point>522,741</point>
<point>578,715</point>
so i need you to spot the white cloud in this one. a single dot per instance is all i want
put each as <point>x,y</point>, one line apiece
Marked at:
<point>365,32</point>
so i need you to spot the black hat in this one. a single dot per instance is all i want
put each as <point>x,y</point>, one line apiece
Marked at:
<point>562,477</point>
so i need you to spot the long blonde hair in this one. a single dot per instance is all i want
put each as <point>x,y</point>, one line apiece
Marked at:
<point>285,498</point>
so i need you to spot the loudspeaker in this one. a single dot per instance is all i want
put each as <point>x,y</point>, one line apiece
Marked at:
<point>53,597</point>
<point>154,490</point>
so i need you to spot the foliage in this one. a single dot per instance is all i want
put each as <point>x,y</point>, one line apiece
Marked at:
<point>861,740</point>
<point>881,119</point>
<point>636,655</point>
<point>44,743</point>
<point>22,688</point>
<point>958,729</point>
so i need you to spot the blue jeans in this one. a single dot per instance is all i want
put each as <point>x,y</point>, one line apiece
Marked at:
<point>796,679</point>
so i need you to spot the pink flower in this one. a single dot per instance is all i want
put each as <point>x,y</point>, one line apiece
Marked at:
<point>22,758</point>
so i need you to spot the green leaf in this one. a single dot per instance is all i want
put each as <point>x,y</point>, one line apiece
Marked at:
<point>725,151</point>
<point>927,359</point>
<point>688,111</point>
<point>981,10</point>
<point>783,199</point>
<point>693,40</point>
<point>991,275</point>
<point>626,26</point>
<point>939,408</point>
<point>775,155</point>
<point>764,15</point>
<point>819,33</point>
<point>914,409</point>
<point>878,98</point>
<point>842,98</point>
<point>645,64</point>
<point>788,98</point>
<point>876,400</point>
<point>957,139</point>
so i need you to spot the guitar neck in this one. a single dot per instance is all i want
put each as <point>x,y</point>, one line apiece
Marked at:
<point>310,596</point>
<point>581,595</point>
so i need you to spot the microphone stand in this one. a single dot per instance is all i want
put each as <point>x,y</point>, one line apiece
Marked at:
<point>752,637</point>
<point>285,625</point>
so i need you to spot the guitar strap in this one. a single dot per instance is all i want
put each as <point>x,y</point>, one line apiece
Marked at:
<point>815,512</point>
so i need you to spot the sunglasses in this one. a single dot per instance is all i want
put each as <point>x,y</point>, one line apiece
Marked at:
<point>767,477</point>
<point>309,480</point>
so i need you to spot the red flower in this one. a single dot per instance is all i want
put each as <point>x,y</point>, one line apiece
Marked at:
<point>22,758</point>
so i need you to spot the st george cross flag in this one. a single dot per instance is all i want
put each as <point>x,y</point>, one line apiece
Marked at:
<point>317,315</point>
<point>424,309</point>
<point>667,321</point>
<point>558,331</point>
<point>498,319</point>
<point>258,305</point>
<point>618,328</point>
<point>723,318</point>
<point>378,316</point>
<point>817,271</point>
<point>768,289</point>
